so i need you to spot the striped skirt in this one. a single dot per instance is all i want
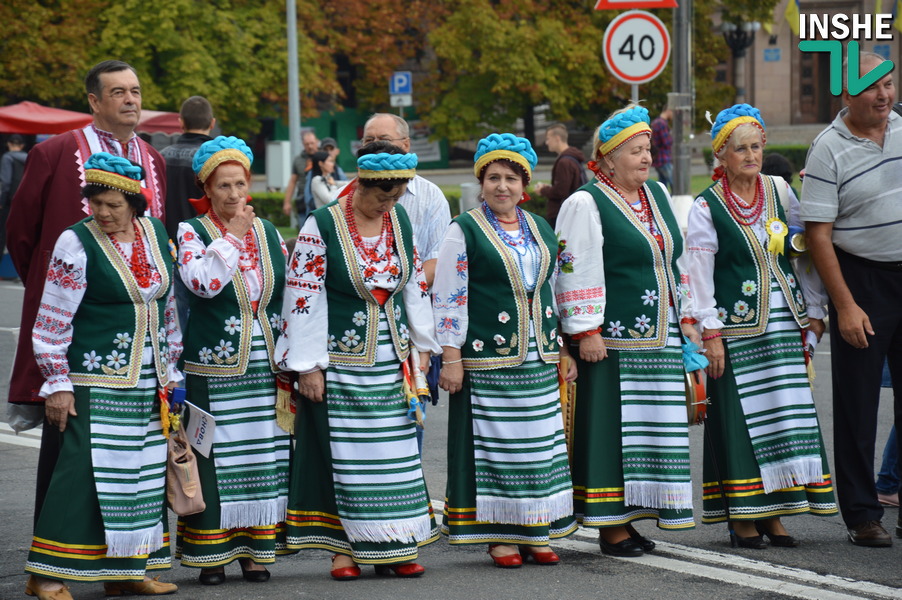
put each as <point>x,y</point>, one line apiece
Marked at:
<point>357,487</point>
<point>508,475</point>
<point>629,430</point>
<point>245,479</point>
<point>104,492</point>
<point>763,430</point>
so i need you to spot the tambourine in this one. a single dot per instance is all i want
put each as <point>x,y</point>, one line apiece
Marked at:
<point>696,398</point>
<point>797,243</point>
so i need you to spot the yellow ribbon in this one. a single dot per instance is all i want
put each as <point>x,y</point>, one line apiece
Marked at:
<point>776,231</point>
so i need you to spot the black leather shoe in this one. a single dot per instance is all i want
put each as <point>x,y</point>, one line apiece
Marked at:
<point>212,578</point>
<point>627,547</point>
<point>254,576</point>
<point>646,544</point>
<point>782,541</point>
<point>870,533</point>
<point>755,542</point>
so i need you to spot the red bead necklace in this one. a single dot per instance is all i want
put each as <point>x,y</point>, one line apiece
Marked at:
<point>744,213</point>
<point>138,263</point>
<point>249,258</point>
<point>643,212</point>
<point>368,250</point>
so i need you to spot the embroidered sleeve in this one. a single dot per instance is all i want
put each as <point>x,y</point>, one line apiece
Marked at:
<point>449,290</point>
<point>206,269</point>
<point>813,289</point>
<point>580,286</point>
<point>64,289</point>
<point>419,310</point>
<point>701,246</point>
<point>173,337</point>
<point>303,344</point>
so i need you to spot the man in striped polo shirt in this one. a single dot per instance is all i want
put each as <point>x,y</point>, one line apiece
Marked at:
<point>852,208</point>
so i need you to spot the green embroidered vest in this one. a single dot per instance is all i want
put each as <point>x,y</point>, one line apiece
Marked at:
<point>113,320</point>
<point>220,329</point>
<point>353,310</point>
<point>743,268</point>
<point>500,307</point>
<point>640,278</point>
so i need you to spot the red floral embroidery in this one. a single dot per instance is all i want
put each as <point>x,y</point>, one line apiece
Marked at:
<point>301,306</point>
<point>186,257</point>
<point>189,235</point>
<point>215,285</point>
<point>65,275</point>
<point>195,284</point>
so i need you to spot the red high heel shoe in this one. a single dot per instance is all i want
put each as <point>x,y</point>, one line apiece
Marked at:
<point>548,557</point>
<point>344,573</point>
<point>511,561</point>
<point>405,570</point>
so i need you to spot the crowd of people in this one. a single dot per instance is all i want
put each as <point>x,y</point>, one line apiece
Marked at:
<point>310,361</point>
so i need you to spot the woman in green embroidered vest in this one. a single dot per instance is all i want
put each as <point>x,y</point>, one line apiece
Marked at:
<point>107,341</point>
<point>234,263</point>
<point>751,305</point>
<point>624,300</point>
<point>356,307</point>
<point>508,478</point>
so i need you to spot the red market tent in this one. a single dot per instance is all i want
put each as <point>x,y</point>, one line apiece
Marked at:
<point>153,121</point>
<point>32,119</point>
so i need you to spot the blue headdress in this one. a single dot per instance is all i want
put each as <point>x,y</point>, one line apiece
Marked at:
<point>731,118</point>
<point>115,172</point>
<point>387,166</point>
<point>505,145</point>
<point>623,127</point>
<point>219,150</point>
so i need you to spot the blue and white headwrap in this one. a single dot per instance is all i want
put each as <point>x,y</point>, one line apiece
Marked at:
<point>508,146</point>
<point>387,166</point>
<point>731,118</point>
<point>623,127</point>
<point>219,150</point>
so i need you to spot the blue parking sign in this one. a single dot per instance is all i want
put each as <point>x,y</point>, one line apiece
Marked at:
<point>401,82</point>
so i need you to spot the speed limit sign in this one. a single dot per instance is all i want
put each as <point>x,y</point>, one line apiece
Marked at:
<point>636,47</point>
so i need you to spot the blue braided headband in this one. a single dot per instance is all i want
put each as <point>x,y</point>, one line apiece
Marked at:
<point>113,172</point>
<point>729,119</point>
<point>387,166</point>
<point>622,127</point>
<point>219,150</point>
<point>505,145</point>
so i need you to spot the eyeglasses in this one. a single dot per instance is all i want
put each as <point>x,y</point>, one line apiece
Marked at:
<point>382,138</point>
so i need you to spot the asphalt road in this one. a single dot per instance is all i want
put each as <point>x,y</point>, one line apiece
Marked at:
<point>695,564</point>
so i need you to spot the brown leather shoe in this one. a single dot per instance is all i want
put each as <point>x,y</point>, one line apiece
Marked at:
<point>32,589</point>
<point>870,533</point>
<point>151,587</point>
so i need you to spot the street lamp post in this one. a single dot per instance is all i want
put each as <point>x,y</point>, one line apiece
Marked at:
<point>739,37</point>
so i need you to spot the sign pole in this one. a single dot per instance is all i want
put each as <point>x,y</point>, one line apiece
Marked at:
<point>634,93</point>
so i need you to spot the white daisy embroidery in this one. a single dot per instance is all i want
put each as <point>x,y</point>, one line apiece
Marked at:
<point>741,308</point>
<point>122,340</point>
<point>332,342</point>
<point>205,355</point>
<point>749,287</point>
<point>722,313</point>
<point>232,324</point>
<point>643,323</point>
<point>359,318</point>
<point>92,361</point>
<point>116,359</point>
<point>478,345</point>
<point>800,299</point>
<point>403,331</point>
<point>397,313</point>
<point>161,335</point>
<point>791,280</point>
<point>548,312</point>
<point>224,349</point>
<point>350,338</point>
<point>650,297</point>
<point>504,317</point>
<point>499,339</point>
<point>275,321</point>
<point>616,329</point>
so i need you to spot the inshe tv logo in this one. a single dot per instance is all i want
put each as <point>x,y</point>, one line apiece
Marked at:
<point>826,33</point>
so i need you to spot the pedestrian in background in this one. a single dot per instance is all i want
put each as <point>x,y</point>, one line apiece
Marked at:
<point>662,147</point>
<point>567,175</point>
<point>12,167</point>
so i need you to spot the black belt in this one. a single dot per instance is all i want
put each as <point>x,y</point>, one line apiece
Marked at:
<point>884,266</point>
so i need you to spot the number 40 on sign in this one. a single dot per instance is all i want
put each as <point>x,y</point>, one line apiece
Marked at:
<point>636,47</point>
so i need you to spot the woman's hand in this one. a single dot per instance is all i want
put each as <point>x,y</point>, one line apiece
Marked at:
<point>570,375</point>
<point>312,385</point>
<point>691,332</point>
<point>817,327</point>
<point>592,349</point>
<point>451,378</point>
<point>715,354</point>
<point>242,222</point>
<point>58,407</point>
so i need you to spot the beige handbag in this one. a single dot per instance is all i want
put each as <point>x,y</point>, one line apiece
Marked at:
<point>182,481</point>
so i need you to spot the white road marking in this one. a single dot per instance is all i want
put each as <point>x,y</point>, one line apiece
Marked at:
<point>29,439</point>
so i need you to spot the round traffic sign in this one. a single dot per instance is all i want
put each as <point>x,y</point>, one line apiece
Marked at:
<point>636,47</point>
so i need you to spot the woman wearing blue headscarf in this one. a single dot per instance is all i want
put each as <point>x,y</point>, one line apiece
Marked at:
<point>107,341</point>
<point>234,264</point>
<point>624,300</point>
<point>356,309</point>
<point>754,308</point>
<point>508,479</point>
